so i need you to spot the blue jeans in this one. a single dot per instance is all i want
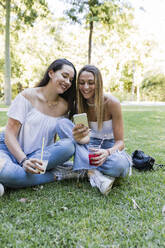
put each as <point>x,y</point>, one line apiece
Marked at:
<point>116,165</point>
<point>14,176</point>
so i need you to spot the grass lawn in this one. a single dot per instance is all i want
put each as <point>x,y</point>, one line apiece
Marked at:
<point>3,119</point>
<point>3,106</point>
<point>72,214</point>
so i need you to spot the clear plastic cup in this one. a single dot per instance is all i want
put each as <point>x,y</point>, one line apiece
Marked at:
<point>44,166</point>
<point>92,149</point>
<point>45,161</point>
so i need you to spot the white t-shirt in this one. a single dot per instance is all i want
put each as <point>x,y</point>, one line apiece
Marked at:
<point>35,125</point>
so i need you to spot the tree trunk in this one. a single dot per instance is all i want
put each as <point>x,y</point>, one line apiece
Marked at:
<point>138,93</point>
<point>90,42</point>
<point>7,86</point>
<point>133,82</point>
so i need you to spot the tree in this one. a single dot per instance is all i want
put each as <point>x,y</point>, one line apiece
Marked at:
<point>110,13</point>
<point>26,12</point>
<point>153,87</point>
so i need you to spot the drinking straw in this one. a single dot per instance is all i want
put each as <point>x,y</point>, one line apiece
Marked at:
<point>42,150</point>
<point>102,141</point>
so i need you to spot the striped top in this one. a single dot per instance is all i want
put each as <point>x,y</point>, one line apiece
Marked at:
<point>35,125</point>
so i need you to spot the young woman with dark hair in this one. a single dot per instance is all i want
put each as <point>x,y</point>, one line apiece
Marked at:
<point>70,94</point>
<point>31,117</point>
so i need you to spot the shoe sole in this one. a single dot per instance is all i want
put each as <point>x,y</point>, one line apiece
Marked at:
<point>2,191</point>
<point>109,189</point>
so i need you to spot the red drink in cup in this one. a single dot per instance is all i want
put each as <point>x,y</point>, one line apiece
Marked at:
<point>91,160</point>
<point>92,154</point>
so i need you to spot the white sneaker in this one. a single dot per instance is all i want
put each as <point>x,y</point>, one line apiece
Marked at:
<point>1,190</point>
<point>103,183</point>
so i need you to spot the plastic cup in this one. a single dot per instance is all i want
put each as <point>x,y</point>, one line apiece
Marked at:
<point>92,153</point>
<point>45,161</point>
<point>44,166</point>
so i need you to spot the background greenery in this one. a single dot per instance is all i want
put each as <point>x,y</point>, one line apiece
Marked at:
<point>72,214</point>
<point>130,60</point>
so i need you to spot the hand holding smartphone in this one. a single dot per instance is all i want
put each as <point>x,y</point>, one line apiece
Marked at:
<point>81,135</point>
<point>81,119</point>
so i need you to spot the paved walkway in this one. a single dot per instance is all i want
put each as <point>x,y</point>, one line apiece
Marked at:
<point>133,103</point>
<point>3,109</point>
<point>125,103</point>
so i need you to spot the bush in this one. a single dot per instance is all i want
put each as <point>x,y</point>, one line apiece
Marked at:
<point>153,88</point>
<point>122,96</point>
<point>16,89</point>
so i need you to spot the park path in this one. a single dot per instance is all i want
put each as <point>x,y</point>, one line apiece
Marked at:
<point>3,109</point>
<point>124,103</point>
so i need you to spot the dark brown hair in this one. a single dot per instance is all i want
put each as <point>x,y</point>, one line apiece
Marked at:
<point>70,94</point>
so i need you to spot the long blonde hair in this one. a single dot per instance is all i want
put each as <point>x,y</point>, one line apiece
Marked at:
<point>99,99</point>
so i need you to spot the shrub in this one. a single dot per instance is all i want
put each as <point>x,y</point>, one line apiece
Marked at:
<point>153,88</point>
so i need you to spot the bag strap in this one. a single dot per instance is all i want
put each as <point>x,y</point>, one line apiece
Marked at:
<point>159,165</point>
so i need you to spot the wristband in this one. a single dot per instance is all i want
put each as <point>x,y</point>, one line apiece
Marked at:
<point>23,160</point>
<point>109,152</point>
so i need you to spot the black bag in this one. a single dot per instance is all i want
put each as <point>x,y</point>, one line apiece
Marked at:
<point>141,161</point>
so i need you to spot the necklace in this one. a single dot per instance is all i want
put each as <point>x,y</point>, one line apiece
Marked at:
<point>52,103</point>
<point>90,104</point>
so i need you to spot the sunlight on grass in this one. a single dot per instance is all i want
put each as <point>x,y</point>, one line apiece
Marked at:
<point>73,214</point>
<point>3,120</point>
<point>3,106</point>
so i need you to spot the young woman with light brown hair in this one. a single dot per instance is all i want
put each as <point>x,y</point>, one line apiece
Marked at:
<point>106,124</point>
<point>106,130</point>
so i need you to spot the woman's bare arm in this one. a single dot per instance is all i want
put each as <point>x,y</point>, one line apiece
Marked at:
<point>117,124</point>
<point>11,134</point>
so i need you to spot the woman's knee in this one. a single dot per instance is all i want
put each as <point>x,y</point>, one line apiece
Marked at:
<point>117,165</point>
<point>121,168</point>
<point>68,145</point>
<point>9,173</point>
<point>2,163</point>
<point>121,164</point>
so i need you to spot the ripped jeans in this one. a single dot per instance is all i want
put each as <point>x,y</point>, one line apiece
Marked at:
<point>116,165</point>
<point>14,176</point>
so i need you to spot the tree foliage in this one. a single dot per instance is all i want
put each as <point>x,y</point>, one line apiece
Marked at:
<point>112,14</point>
<point>153,87</point>
<point>24,12</point>
<point>123,55</point>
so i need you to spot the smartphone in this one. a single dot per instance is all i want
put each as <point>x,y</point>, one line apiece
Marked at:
<point>81,119</point>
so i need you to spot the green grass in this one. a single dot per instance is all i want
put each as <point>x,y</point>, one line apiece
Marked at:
<point>3,119</point>
<point>3,105</point>
<point>72,214</point>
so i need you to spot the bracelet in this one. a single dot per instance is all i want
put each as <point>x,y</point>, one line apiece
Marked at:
<point>23,160</point>
<point>109,152</point>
